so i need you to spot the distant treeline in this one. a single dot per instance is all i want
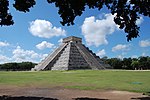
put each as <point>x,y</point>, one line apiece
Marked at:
<point>116,63</point>
<point>23,66</point>
<point>129,63</point>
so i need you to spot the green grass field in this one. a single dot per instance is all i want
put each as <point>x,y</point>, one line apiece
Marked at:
<point>135,81</point>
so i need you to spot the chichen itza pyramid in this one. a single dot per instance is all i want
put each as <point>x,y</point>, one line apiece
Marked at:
<point>71,55</point>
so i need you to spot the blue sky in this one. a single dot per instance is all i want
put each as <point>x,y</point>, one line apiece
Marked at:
<point>37,33</point>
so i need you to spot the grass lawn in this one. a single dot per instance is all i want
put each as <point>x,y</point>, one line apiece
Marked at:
<point>135,81</point>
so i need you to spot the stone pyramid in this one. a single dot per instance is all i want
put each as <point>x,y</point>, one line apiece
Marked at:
<point>71,55</point>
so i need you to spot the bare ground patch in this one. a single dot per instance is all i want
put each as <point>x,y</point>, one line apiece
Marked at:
<point>60,93</point>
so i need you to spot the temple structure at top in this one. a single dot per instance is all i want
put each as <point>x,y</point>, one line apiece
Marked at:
<point>71,55</point>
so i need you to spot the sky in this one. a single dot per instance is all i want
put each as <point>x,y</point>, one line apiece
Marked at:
<point>38,33</point>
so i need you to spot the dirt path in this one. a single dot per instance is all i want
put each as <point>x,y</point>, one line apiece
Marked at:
<point>70,94</point>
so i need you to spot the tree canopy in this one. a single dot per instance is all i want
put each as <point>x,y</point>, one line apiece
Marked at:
<point>23,66</point>
<point>129,63</point>
<point>126,11</point>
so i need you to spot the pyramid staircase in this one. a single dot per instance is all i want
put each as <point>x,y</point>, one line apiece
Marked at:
<point>50,59</point>
<point>71,55</point>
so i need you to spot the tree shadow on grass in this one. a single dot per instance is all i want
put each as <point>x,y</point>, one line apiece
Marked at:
<point>141,98</point>
<point>5,97</point>
<point>86,98</point>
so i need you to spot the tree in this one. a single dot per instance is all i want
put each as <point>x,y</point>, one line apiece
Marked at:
<point>126,11</point>
<point>144,62</point>
<point>21,5</point>
<point>135,64</point>
<point>105,58</point>
<point>116,63</point>
<point>127,63</point>
<point>23,66</point>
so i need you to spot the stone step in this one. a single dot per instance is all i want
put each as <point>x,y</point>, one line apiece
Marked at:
<point>90,58</point>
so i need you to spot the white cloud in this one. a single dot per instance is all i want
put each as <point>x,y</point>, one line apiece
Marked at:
<point>60,40</point>
<point>143,54</point>
<point>45,29</point>
<point>4,59</point>
<point>101,53</point>
<point>139,21</point>
<point>4,44</point>
<point>134,56</point>
<point>120,56</point>
<point>44,56</point>
<point>20,55</point>
<point>44,45</point>
<point>120,47</point>
<point>144,43</point>
<point>95,31</point>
